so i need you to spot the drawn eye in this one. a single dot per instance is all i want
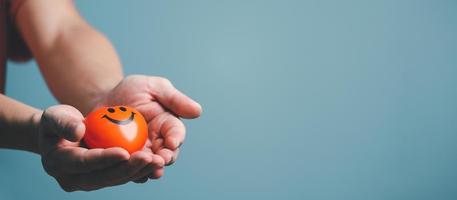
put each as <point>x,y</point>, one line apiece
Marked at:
<point>122,109</point>
<point>111,110</point>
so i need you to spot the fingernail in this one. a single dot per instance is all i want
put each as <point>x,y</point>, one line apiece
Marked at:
<point>200,108</point>
<point>80,128</point>
<point>76,133</point>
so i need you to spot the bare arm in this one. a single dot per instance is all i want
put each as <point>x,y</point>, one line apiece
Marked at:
<point>81,68</point>
<point>18,125</point>
<point>79,63</point>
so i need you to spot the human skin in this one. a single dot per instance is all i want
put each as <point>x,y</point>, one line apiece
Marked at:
<point>82,69</point>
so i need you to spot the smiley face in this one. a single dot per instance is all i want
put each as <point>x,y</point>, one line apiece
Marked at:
<point>117,121</point>
<point>116,126</point>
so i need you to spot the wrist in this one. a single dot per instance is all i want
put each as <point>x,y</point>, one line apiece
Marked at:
<point>99,98</point>
<point>33,137</point>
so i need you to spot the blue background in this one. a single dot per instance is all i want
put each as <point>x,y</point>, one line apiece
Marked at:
<point>303,99</point>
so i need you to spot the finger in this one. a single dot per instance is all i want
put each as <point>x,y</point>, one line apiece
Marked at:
<point>170,128</point>
<point>174,133</point>
<point>116,175</point>
<point>63,121</point>
<point>141,180</point>
<point>174,157</point>
<point>157,173</point>
<point>148,146</point>
<point>82,160</point>
<point>173,99</point>
<point>111,176</point>
<point>167,155</point>
<point>149,169</point>
<point>153,130</point>
<point>150,110</point>
<point>157,144</point>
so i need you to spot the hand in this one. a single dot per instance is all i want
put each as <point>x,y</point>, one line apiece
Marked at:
<point>61,129</point>
<point>161,104</point>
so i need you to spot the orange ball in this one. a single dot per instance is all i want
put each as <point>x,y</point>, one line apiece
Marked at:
<point>116,126</point>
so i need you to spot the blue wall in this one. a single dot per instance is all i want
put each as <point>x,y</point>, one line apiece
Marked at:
<point>302,99</point>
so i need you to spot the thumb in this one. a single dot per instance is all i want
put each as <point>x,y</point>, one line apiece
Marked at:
<point>173,99</point>
<point>63,121</point>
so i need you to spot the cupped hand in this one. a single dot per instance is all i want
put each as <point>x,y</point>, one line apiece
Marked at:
<point>77,168</point>
<point>162,105</point>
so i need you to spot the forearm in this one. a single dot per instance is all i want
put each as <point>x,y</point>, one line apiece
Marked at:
<point>80,67</point>
<point>78,63</point>
<point>18,125</point>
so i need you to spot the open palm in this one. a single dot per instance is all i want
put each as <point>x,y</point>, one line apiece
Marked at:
<point>161,105</point>
<point>75,167</point>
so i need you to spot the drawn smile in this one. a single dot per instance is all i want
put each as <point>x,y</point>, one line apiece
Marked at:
<point>120,122</point>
